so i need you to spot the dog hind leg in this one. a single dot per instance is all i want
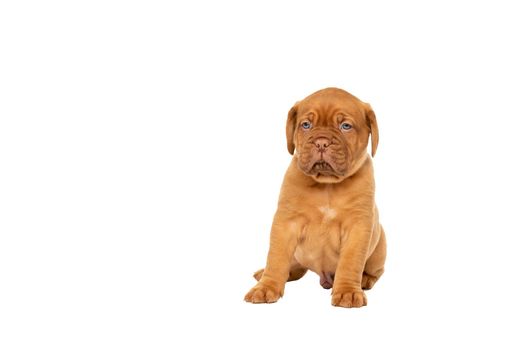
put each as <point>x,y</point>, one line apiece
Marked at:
<point>375,265</point>
<point>296,272</point>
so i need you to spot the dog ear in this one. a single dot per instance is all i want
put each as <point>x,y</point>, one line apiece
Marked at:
<point>372,124</point>
<point>290,128</point>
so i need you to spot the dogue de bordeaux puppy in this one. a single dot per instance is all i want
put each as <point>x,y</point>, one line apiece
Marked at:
<point>327,220</point>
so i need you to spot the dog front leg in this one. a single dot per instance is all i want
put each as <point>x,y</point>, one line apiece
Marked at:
<point>347,291</point>
<point>283,241</point>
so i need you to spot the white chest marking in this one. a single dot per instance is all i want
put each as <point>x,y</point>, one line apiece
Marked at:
<point>328,212</point>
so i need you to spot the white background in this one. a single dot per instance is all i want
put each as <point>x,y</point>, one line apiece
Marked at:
<point>142,149</point>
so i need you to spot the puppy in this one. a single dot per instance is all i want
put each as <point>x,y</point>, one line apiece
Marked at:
<point>326,220</point>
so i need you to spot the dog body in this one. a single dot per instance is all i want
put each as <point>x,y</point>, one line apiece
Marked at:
<point>327,220</point>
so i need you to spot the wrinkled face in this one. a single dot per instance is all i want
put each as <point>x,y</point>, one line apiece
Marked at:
<point>330,130</point>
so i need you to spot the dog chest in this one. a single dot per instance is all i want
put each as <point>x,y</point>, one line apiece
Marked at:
<point>319,243</point>
<point>327,213</point>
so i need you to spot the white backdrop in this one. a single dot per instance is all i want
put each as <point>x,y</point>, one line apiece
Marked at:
<point>142,149</point>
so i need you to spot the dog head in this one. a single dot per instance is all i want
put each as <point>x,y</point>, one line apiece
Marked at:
<point>330,130</point>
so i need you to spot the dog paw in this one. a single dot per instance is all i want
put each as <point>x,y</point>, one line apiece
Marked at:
<point>263,293</point>
<point>351,298</point>
<point>368,281</point>
<point>257,275</point>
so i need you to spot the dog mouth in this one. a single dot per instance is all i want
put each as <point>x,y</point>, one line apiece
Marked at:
<point>322,167</point>
<point>323,172</point>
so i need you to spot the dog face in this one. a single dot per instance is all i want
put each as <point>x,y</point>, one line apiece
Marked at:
<point>330,130</point>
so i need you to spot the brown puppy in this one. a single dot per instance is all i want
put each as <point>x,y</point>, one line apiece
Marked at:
<point>326,220</point>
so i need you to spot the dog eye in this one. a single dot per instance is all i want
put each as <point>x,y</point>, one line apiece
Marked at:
<point>346,126</point>
<point>306,125</point>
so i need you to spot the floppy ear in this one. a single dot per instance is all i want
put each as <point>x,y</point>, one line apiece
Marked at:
<point>290,128</point>
<point>372,124</point>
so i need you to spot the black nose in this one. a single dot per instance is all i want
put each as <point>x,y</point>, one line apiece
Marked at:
<point>322,143</point>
